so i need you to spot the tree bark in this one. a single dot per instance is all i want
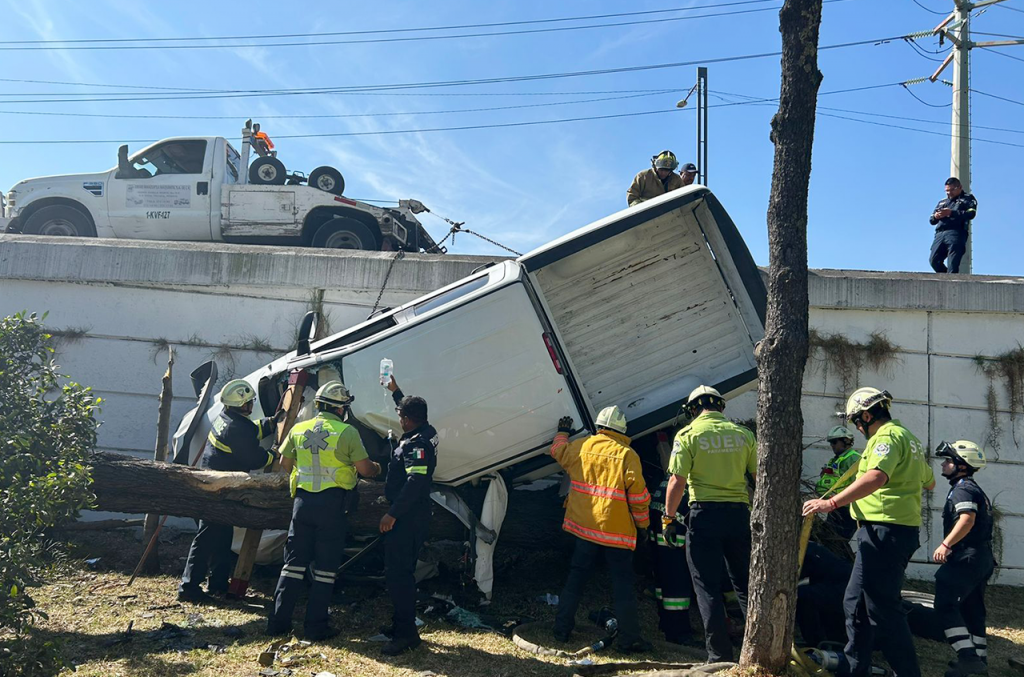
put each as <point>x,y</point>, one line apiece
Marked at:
<point>775,520</point>
<point>131,485</point>
<point>163,427</point>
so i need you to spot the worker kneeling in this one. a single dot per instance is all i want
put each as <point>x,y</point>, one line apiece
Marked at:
<point>323,456</point>
<point>606,508</point>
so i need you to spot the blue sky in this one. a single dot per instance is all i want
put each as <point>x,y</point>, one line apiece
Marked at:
<point>872,187</point>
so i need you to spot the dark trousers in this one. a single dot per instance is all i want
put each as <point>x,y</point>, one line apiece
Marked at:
<point>951,244</point>
<point>210,551</point>
<point>673,587</point>
<point>842,522</point>
<point>872,602</point>
<point>717,531</point>
<point>819,612</point>
<point>960,602</point>
<point>401,548</point>
<point>620,569</point>
<point>316,536</point>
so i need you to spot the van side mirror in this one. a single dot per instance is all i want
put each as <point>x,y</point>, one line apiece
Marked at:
<point>123,166</point>
<point>307,332</point>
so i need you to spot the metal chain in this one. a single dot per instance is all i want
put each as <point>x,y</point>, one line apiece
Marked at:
<point>398,255</point>
<point>457,227</point>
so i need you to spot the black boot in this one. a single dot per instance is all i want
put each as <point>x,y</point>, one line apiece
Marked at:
<point>968,665</point>
<point>400,645</point>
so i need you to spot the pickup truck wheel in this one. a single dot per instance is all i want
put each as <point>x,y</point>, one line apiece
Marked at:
<point>59,220</point>
<point>267,171</point>
<point>327,179</point>
<point>342,233</point>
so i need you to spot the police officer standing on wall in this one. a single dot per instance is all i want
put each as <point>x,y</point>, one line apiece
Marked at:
<point>323,455</point>
<point>843,457</point>
<point>886,502</point>
<point>951,218</point>
<point>966,558</point>
<point>233,445</point>
<point>405,526</point>
<point>712,457</point>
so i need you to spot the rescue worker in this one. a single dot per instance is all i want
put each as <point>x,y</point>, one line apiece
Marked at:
<point>658,180</point>
<point>606,510</point>
<point>405,526</point>
<point>688,173</point>
<point>843,457</point>
<point>712,456</point>
<point>886,502</point>
<point>966,558</point>
<point>323,456</point>
<point>673,586</point>
<point>233,445</point>
<point>951,218</point>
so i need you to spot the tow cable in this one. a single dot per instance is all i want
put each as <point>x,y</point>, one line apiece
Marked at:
<point>457,227</point>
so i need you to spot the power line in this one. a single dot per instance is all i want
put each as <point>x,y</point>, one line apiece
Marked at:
<point>1012,9</point>
<point>930,105</point>
<point>994,96</point>
<point>928,9</point>
<point>998,35</point>
<point>421,38</point>
<point>921,131</point>
<point>281,36</point>
<point>992,50</point>
<point>459,83</point>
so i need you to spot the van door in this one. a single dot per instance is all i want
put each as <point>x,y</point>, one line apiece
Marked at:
<point>493,390</point>
<point>651,302</point>
<point>166,193</point>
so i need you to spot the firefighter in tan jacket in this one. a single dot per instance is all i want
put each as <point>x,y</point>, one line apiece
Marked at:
<point>606,508</point>
<point>658,180</point>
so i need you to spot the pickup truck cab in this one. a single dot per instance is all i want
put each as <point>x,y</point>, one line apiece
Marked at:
<point>634,310</point>
<point>195,189</point>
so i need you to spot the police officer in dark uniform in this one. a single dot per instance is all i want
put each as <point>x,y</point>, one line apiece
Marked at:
<point>232,445</point>
<point>323,455</point>
<point>951,218</point>
<point>673,586</point>
<point>410,473</point>
<point>966,558</point>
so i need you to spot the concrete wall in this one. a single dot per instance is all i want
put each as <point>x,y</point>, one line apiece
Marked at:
<point>939,323</point>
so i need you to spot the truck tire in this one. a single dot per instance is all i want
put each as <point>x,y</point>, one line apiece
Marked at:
<point>343,233</point>
<point>60,220</point>
<point>327,179</point>
<point>267,171</point>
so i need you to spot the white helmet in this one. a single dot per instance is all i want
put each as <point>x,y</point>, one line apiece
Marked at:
<point>334,393</point>
<point>702,397</point>
<point>237,393</point>
<point>962,451</point>
<point>612,419</point>
<point>863,399</point>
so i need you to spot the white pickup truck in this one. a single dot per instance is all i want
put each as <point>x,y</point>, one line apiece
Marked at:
<point>197,189</point>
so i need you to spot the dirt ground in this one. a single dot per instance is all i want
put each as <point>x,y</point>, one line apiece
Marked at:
<point>90,610</point>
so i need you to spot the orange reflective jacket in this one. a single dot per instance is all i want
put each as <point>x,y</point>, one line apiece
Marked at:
<point>608,499</point>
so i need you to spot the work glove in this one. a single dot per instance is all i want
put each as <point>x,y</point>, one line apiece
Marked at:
<point>565,424</point>
<point>670,532</point>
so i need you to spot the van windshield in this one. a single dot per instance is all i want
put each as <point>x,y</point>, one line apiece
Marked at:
<point>450,295</point>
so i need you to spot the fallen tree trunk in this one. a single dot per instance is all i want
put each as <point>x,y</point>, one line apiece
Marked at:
<point>132,485</point>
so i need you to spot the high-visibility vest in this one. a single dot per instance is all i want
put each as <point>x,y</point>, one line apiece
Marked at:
<point>316,465</point>
<point>263,135</point>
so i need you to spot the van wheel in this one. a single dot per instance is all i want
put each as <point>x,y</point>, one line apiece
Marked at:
<point>327,179</point>
<point>267,171</point>
<point>342,233</point>
<point>59,220</point>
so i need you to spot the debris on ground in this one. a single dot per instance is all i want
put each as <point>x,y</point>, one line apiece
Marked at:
<point>549,599</point>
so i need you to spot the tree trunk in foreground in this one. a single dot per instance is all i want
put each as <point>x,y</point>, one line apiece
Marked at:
<point>163,428</point>
<point>775,520</point>
<point>131,485</point>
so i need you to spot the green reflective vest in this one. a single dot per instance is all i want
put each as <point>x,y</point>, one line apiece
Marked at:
<point>835,469</point>
<point>900,455</point>
<point>714,455</point>
<point>325,450</point>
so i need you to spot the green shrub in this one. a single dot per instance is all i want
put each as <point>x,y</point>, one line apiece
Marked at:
<point>47,430</point>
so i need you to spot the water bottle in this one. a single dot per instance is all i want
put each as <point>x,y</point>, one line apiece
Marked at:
<point>387,370</point>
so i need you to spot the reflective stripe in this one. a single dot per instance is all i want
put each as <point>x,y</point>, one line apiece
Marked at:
<point>598,536</point>
<point>291,574</point>
<point>982,653</point>
<point>599,491</point>
<point>561,440</point>
<point>676,603</point>
<point>417,469</point>
<point>957,632</point>
<point>644,516</point>
<point>212,439</point>
<point>308,475</point>
<point>979,641</point>
<point>966,505</point>
<point>680,541</point>
<point>259,429</point>
<point>962,644</point>
<point>657,593</point>
<point>323,579</point>
<point>642,497</point>
<point>328,574</point>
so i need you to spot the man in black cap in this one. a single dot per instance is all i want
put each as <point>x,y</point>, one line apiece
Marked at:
<point>951,218</point>
<point>688,173</point>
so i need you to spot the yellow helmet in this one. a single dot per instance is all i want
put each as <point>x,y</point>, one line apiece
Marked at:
<point>666,159</point>
<point>839,433</point>
<point>237,393</point>
<point>334,393</point>
<point>863,399</point>
<point>962,451</point>
<point>613,419</point>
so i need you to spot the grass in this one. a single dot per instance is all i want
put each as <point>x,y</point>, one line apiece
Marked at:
<point>89,611</point>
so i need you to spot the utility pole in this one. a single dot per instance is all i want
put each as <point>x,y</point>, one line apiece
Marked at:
<point>956,29</point>
<point>701,88</point>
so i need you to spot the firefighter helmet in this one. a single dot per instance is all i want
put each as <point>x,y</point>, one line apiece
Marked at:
<point>612,419</point>
<point>962,452</point>
<point>703,397</point>
<point>237,393</point>
<point>864,399</point>
<point>666,159</point>
<point>334,393</point>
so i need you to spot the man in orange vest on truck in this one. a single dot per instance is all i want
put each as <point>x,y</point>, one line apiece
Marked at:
<point>606,508</point>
